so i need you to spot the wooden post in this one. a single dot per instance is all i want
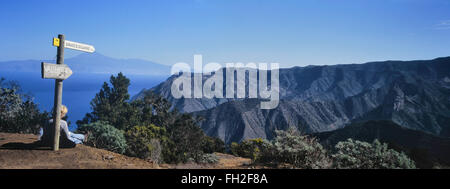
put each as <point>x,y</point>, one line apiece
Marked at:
<point>60,72</point>
<point>58,95</point>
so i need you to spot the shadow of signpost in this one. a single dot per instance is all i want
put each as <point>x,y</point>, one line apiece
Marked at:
<point>46,143</point>
<point>25,146</point>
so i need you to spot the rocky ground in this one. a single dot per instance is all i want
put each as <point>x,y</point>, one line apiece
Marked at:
<point>85,157</point>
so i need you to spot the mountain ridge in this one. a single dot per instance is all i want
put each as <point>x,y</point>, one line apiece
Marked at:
<point>413,94</point>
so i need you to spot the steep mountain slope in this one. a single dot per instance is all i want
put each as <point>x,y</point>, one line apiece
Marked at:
<point>413,94</point>
<point>244,119</point>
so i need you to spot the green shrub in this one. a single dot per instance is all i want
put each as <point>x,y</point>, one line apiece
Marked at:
<point>353,154</point>
<point>249,148</point>
<point>208,159</point>
<point>289,147</point>
<point>155,155</point>
<point>213,144</point>
<point>144,142</point>
<point>300,151</point>
<point>102,135</point>
<point>18,113</point>
<point>234,148</point>
<point>186,139</point>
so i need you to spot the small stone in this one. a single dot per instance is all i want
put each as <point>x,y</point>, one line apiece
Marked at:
<point>108,157</point>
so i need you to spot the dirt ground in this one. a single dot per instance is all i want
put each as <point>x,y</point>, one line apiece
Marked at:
<point>85,157</point>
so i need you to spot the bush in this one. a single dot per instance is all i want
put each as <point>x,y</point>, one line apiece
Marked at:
<point>289,147</point>
<point>144,142</point>
<point>18,113</point>
<point>186,140</point>
<point>353,154</point>
<point>102,135</point>
<point>155,155</point>
<point>213,144</point>
<point>208,159</point>
<point>234,148</point>
<point>250,148</point>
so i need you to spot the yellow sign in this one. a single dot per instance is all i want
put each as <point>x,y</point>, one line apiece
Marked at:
<point>56,42</point>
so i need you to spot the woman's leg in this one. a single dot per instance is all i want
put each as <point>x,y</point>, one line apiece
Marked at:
<point>76,141</point>
<point>77,138</point>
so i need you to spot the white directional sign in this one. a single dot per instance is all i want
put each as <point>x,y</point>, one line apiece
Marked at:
<point>79,46</point>
<point>55,71</point>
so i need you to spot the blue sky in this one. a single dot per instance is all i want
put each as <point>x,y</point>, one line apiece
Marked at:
<point>293,33</point>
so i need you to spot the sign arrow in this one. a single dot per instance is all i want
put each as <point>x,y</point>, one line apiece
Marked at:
<point>55,71</point>
<point>79,46</point>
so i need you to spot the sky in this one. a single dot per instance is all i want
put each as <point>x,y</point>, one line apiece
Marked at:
<point>289,32</point>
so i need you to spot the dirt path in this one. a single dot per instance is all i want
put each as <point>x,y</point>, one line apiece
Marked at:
<point>226,161</point>
<point>85,157</point>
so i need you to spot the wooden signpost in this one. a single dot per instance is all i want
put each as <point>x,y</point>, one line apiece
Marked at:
<point>55,71</point>
<point>60,72</point>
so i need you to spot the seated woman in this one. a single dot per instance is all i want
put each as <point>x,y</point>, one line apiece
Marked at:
<point>76,138</point>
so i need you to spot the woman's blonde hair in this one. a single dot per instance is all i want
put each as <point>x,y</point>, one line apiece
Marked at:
<point>64,110</point>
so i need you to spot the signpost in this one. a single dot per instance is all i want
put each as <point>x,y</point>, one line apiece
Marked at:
<point>60,72</point>
<point>55,71</point>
